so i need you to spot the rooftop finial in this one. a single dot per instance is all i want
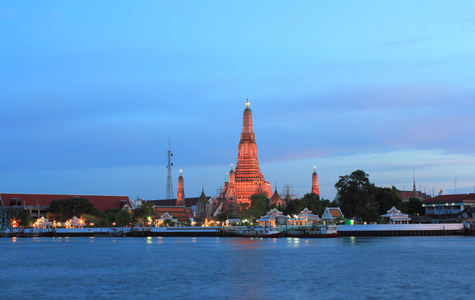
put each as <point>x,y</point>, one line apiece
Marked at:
<point>181,172</point>
<point>314,169</point>
<point>231,167</point>
<point>247,102</point>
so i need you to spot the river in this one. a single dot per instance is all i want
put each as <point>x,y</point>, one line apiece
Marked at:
<point>238,268</point>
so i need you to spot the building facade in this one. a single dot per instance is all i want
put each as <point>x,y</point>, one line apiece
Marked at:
<point>247,178</point>
<point>448,205</point>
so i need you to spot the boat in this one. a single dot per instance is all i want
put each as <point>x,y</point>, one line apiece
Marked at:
<point>261,232</point>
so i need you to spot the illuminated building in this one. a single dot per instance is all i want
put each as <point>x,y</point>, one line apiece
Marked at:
<point>180,194</point>
<point>37,204</point>
<point>315,189</point>
<point>247,178</point>
<point>448,206</point>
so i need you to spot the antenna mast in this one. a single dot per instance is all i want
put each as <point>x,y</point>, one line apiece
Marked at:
<point>169,177</point>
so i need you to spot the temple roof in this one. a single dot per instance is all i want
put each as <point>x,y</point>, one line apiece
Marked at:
<point>181,213</point>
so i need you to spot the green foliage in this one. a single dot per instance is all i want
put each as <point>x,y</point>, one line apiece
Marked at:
<point>110,215</point>
<point>23,217</point>
<point>387,198</point>
<point>144,212</point>
<point>95,220</point>
<point>413,207</point>
<point>259,205</point>
<point>244,210</point>
<point>123,218</point>
<point>63,210</point>
<point>358,197</point>
<point>222,217</point>
<point>310,201</point>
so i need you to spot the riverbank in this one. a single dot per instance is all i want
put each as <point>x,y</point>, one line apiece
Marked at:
<point>234,231</point>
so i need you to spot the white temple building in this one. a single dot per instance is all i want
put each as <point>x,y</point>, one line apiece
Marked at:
<point>396,217</point>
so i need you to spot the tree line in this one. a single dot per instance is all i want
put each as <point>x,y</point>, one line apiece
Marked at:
<point>358,197</point>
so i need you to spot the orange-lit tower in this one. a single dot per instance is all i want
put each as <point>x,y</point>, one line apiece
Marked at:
<point>180,194</point>
<point>315,189</point>
<point>248,179</point>
<point>231,206</point>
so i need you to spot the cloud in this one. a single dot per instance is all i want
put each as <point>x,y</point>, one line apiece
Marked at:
<point>406,42</point>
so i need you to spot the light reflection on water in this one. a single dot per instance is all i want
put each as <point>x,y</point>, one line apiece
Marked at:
<point>237,268</point>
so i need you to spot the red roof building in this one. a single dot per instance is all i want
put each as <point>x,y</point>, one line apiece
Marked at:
<point>37,204</point>
<point>448,205</point>
<point>100,202</point>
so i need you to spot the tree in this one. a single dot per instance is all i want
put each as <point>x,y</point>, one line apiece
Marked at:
<point>259,205</point>
<point>244,210</point>
<point>23,217</point>
<point>123,218</point>
<point>357,196</point>
<point>67,208</point>
<point>413,207</point>
<point>222,217</point>
<point>310,201</point>
<point>387,198</point>
<point>110,215</point>
<point>95,220</point>
<point>144,212</point>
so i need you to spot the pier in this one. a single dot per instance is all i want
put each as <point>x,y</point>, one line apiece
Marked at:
<point>401,229</point>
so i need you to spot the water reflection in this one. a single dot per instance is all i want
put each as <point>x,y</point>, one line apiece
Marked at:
<point>239,268</point>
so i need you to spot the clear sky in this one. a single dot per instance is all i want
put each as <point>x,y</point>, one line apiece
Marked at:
<point>90,92</point>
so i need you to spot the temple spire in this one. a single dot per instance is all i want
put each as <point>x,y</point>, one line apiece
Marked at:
<point>247,119</point>
<point>315,188</point>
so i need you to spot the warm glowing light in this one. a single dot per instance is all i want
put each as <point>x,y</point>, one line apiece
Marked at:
<point>247,103</point>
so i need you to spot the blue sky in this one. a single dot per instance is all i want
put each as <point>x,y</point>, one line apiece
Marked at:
<point>90,92</point>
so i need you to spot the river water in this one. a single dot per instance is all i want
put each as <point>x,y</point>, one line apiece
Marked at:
<point>238,268</point>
